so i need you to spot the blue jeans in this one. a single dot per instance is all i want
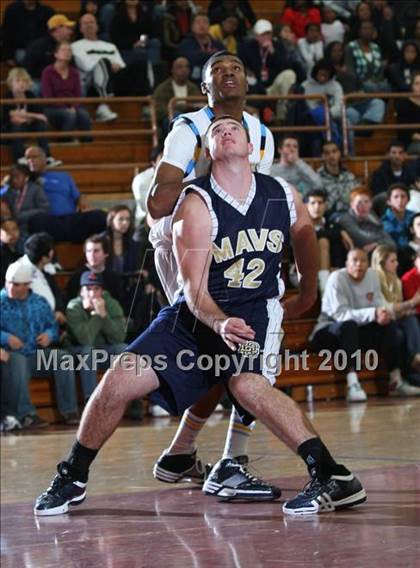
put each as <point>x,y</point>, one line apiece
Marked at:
<point>411,329</point>
<point>91,364</point>
<point>63,119</point>
<point>372,110</point>
<point>19,370</point>
<point>106,14</point>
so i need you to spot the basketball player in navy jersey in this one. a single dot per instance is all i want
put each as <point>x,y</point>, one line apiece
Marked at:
<point>184,158</point>
<point>229,229</point>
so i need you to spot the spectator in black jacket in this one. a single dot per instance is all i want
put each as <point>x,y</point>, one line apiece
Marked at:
<point>39,253</point>
<point>393,170</point>
<point>96,250</point>
<point>24,197</point>
<point>333,242</point>
<point>40,52</point>
<point>199,45</point>
<point>408,112</point>
<point>135,32</point>
<point>266,57</point>
<point>401,73</point>
<point>271,63</point>
<point>242,9</point>
<point>24,22</point>
<point>176,25</point>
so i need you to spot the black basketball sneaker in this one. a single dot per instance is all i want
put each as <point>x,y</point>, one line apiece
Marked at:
<point>229,480</point>
<point>173,468</point>
<point>63,491</point>
<point>337,492</point>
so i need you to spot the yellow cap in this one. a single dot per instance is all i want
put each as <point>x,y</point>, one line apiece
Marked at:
<point>59,20</point>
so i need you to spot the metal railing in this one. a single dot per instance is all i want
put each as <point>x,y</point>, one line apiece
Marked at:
<point>346,126</point>
<point>108,133</point>
<point>299,128</point>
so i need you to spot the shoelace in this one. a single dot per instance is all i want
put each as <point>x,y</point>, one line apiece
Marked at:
<point>313,485</point>
<point>249,475</point>
<point>57,483</point>
<point>253,472</point>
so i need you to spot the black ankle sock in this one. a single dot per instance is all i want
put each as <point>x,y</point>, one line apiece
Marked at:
<point>79,461</point>
<point>318,459</point>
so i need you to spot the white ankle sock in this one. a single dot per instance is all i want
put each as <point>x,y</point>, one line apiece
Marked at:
<point>352,379</point>
<point>188,430</point>
<point>237,437</point>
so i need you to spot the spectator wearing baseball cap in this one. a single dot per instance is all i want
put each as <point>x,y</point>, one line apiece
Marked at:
<point>59,20</point>
<point>269,61</point>
<point>40,53</point>
<point>96,327</point>
<point>27,331</point>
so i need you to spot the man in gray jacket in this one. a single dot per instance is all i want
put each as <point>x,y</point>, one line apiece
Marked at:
<point>355,316</point>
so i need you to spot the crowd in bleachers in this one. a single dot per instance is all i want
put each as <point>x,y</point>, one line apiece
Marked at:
<point>133,47</point>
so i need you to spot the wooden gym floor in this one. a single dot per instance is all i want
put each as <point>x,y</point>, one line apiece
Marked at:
<point>130,520</point>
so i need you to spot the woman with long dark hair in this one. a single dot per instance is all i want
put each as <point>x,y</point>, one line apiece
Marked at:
<point>141,300</point>
<point>124,249</point>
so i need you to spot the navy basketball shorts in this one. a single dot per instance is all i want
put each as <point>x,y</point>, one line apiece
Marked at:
<point>189,358</point>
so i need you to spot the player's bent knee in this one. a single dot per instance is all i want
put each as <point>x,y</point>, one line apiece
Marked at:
<point>250,390</point>
<point>129,377</point>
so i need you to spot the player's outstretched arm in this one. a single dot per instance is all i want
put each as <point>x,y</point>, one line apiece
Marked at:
<point>306,253</point>
<point>193,252</point>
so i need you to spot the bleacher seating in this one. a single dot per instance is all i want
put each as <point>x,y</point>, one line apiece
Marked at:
<point>103,172</point>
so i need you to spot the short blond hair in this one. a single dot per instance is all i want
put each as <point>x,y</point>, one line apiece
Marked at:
<point>18,73</point>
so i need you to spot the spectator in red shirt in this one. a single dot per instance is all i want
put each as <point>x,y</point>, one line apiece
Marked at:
<point>299,14</point>
<point>411,281</point>
<point>59,80</point>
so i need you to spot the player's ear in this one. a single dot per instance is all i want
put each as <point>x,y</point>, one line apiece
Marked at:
<point>203,88</point>
<point>250,148</point>
<point>207,153</point>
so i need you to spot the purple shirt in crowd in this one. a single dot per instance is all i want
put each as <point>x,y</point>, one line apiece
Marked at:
<point>53,85</point>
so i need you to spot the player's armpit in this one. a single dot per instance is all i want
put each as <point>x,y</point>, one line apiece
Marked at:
<point>164,190</point>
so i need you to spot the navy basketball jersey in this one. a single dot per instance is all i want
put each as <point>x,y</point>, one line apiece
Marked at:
<point>248,239</point>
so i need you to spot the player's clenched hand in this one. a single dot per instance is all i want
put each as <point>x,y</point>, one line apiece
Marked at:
<point>234,331</point>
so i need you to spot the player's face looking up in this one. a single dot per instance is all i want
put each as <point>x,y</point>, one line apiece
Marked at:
<point>225,79</point>
<point>227,137</point>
